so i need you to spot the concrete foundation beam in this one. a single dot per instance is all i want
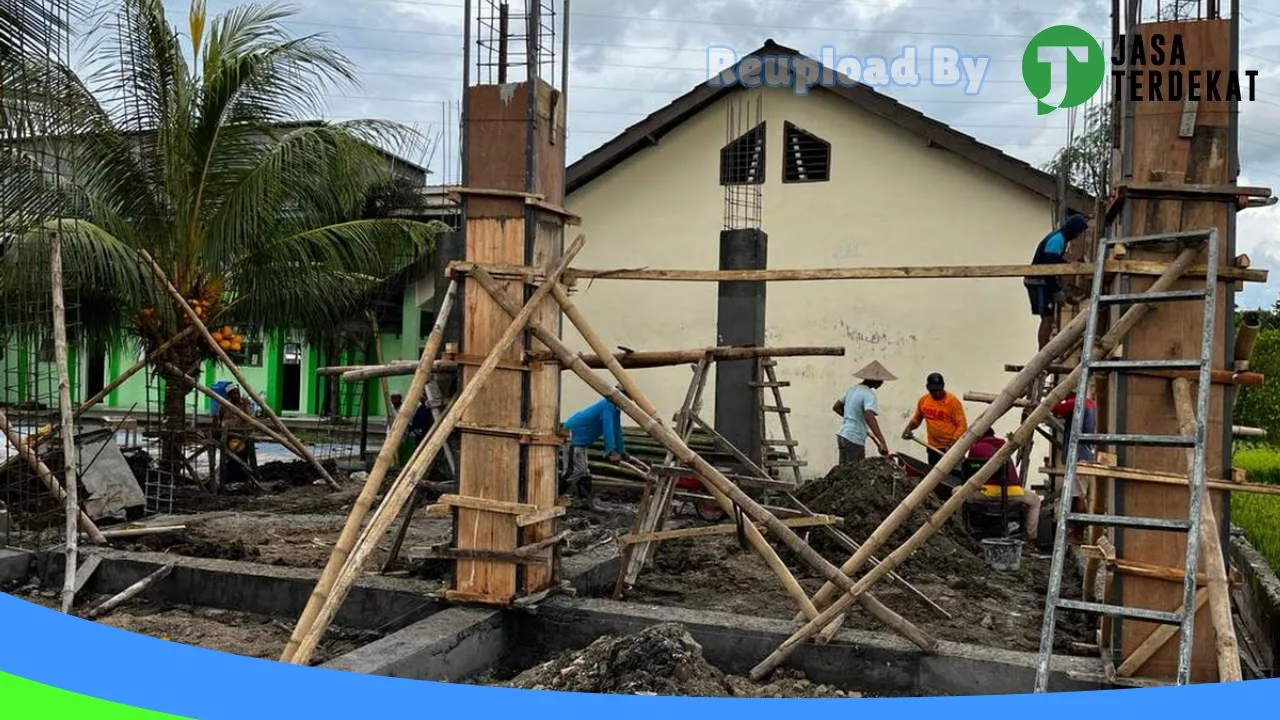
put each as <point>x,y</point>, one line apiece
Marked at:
<point>871,661</point>
<point>375,603</point>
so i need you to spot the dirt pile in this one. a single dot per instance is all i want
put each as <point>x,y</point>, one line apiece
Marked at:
<point>662,659</point>
<point>865,493</point>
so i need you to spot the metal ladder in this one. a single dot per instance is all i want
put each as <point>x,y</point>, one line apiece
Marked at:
<point>1196,472</point>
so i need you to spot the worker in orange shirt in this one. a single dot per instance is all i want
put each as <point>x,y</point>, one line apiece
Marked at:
<point>943,415</point>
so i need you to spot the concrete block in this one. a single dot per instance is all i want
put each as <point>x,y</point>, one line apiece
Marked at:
<point>15,566</point>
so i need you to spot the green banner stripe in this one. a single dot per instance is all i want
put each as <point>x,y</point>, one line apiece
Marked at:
<point>22,699</point>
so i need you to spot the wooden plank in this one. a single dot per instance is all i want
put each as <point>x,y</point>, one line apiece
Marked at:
<point>1163,478</point>
<point>1221,377</point>
<point>539,517</point>
<point>1144,404</point>
<point>486,505</point>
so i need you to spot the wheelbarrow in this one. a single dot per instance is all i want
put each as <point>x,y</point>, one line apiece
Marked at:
<point>708,510</point>
<point>917,470</point>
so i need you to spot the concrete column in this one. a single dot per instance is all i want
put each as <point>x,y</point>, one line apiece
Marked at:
<point>740,321</point>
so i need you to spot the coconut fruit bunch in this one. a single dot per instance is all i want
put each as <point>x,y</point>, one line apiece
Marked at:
<point>228,339</point>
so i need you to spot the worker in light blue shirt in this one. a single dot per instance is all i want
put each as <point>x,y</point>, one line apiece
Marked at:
<point>601,419</point>
<point>858,411</point>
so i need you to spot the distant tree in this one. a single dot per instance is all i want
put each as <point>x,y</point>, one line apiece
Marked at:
<point>1088,158</point>
<point>1260,406</point>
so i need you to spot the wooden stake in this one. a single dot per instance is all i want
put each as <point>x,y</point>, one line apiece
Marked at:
<point>1210,552</point>
<point>310,634</point>
<point>46,476</point>
<point>293,443</point>
<point>1024,434</point>
<point>70,461</point>
<point>373,484</point>
<point>710,475</point>
<point>130,592</point>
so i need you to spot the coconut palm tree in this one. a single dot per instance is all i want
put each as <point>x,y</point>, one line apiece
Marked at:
<point>199,156</point>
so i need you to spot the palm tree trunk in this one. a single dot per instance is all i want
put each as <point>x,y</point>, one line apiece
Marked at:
<point>185,356</point>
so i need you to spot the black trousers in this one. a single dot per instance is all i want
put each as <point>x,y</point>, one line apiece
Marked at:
<point>934,456</point>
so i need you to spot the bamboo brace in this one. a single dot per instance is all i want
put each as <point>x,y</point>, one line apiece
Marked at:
<point>71,462</point>
<point>1023,435</point>
<point>373,484</point>
<point>752,532</point>
<point>294,444</point>
<point>426,453</point>
<point>711,476</point>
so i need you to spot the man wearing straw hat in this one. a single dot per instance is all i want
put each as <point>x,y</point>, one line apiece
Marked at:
<point>858,409</point>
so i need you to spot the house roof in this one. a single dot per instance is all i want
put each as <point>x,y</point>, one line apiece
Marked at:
<point>648,131</point>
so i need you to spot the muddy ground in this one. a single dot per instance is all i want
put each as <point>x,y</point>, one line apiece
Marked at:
<point>256,636</point>
<point>1000,609</point>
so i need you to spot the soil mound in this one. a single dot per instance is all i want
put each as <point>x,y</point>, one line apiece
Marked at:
<point>662,659</point>
<point>867,492</point>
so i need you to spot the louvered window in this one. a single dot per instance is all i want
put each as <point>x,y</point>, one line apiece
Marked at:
<point>805,156</point>
<point>742,161</point>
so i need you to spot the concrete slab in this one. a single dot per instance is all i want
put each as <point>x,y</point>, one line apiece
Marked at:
<point>15,566</point>
<point>374,603</point>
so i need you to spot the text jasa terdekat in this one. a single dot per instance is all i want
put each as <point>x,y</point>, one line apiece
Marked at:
<point>1157,71</point>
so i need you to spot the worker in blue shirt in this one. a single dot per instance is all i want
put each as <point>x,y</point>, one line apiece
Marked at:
<point>1045,291</point>
<point>601,419</point>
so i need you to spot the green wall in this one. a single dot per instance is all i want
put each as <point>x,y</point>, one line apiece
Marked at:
<point>265,372</point>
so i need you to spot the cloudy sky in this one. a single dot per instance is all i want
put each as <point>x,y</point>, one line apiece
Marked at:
<point>631,57</point>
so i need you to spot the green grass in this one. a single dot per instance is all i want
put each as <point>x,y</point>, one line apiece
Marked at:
<point>1259,515</point>
<point>1261,462</point>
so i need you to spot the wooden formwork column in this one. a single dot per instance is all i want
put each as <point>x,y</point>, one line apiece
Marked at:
<point>1173,145</point>
<point>514,186</point>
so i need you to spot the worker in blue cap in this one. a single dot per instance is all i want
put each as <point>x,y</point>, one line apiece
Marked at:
<point>1045,291</point>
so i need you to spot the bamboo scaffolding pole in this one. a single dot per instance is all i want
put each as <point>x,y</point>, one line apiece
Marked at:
<point>1210,551</point>
<point>398,495</point>
<point>634,360</point>
<point>123,377</point>
<point>709,474</point>
<point>71,461</point>
<point>752,533</point>
<point>240,414</point>
<point>196,321</point>
<point>1024,434</point>
<point>1218,377</point>
<point>373,484</point>
<point>1128,267</point>
<point>130,592</point>
<point>47,477</point>
<point>637,359</point>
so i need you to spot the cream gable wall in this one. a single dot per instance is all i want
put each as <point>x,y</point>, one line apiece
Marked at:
<point>891,200</point>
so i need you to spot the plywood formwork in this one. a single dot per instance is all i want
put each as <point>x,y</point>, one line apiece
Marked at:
<point>513,186</point>
<point>1157,153</point>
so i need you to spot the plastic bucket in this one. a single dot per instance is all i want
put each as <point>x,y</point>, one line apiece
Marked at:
<point>1003,553</point>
